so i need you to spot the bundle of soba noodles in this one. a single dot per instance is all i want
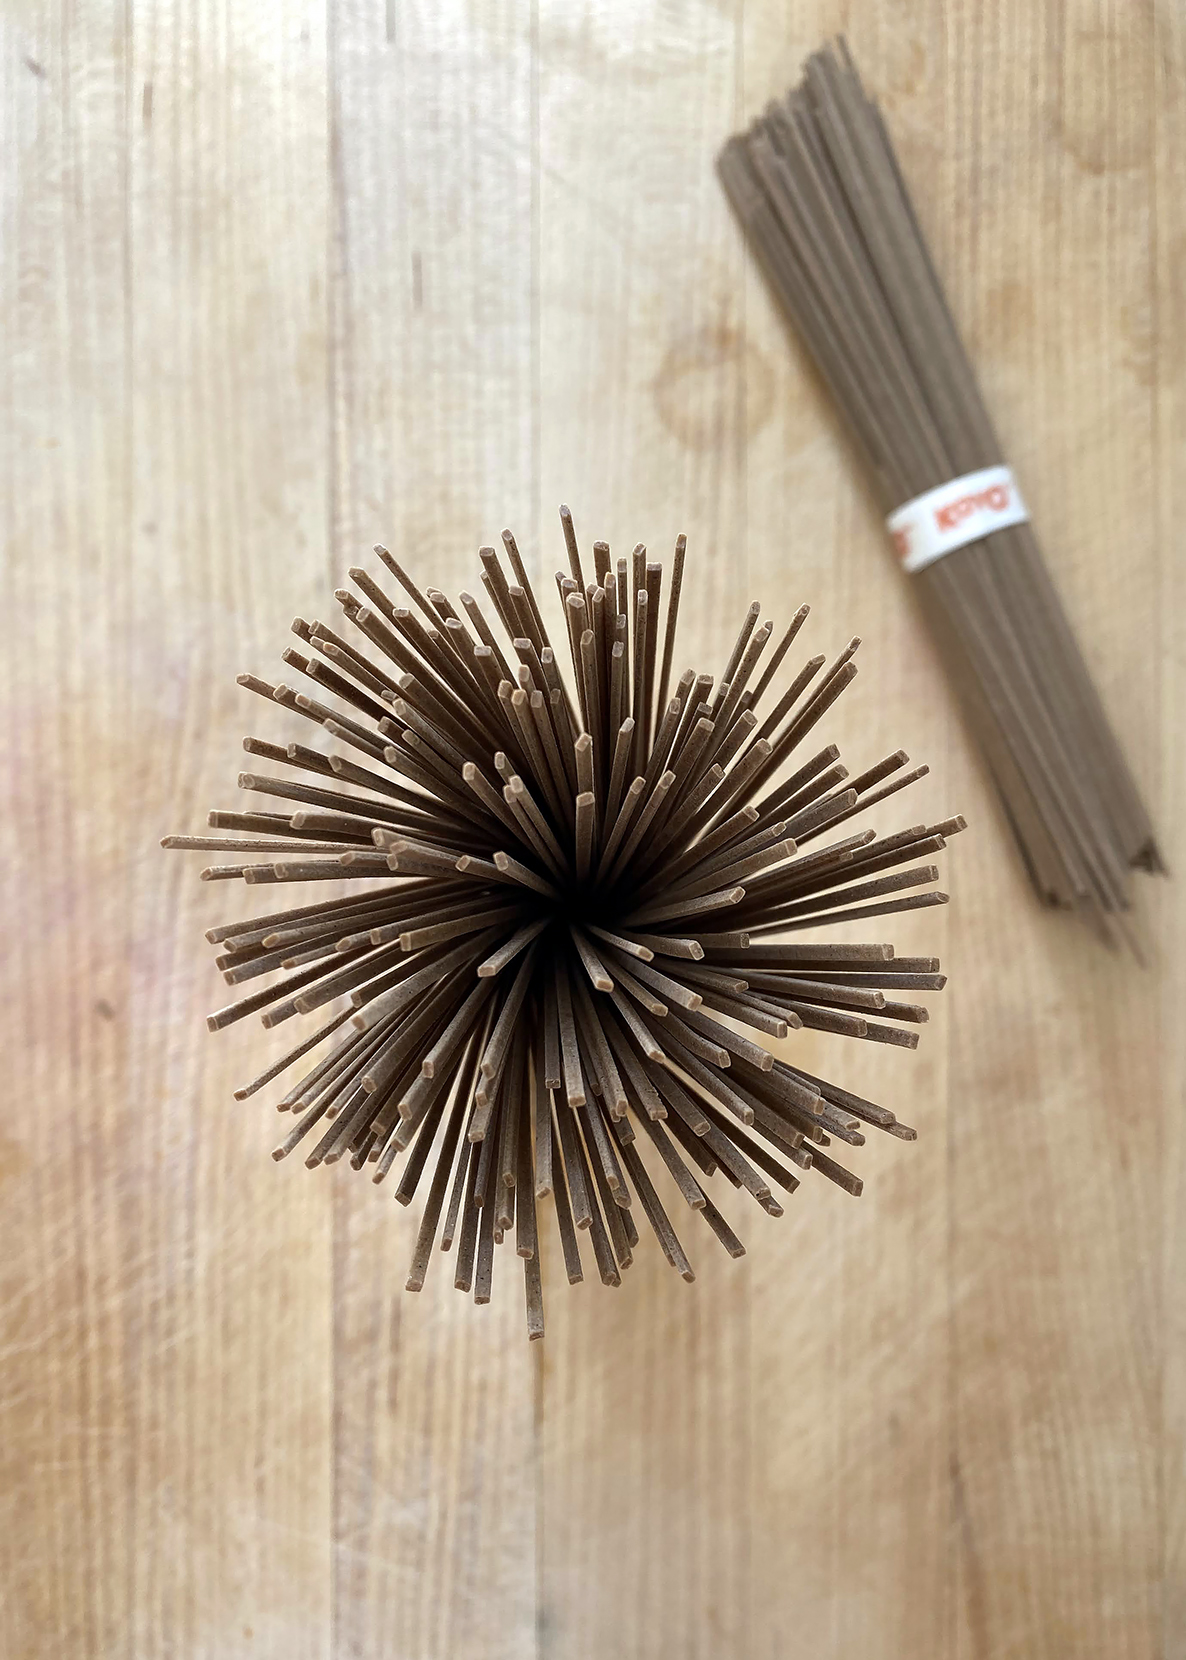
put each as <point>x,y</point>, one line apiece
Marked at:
<point>819,193</point>
<point>578,905</point>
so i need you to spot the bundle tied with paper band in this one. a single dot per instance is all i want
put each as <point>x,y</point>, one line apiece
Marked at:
<point>579,904</point>
<point>818,190</point>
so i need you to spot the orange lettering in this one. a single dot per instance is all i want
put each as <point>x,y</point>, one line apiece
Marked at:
<point>994,500</point>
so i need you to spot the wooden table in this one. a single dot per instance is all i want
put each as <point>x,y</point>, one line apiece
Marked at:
<point>278,285</point>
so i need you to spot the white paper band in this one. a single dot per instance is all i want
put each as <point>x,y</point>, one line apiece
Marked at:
<point>960,511</point>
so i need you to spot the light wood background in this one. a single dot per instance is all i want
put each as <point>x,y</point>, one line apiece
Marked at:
<point>279,282</point>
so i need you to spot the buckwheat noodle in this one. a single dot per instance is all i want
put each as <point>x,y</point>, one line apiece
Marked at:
<point>818,190</point>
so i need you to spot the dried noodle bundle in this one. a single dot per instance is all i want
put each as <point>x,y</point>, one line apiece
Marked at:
<point>817,188</point>
<point>560,952</point>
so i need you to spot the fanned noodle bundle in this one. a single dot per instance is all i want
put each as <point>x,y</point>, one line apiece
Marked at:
<point>574,918</point>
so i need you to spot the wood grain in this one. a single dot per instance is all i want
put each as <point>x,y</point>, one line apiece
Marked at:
<point>280,282</point>
<point>645,1432</point>
<point>856,1496</point>
<point>1168,323</point>
<point>435,1509</point>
